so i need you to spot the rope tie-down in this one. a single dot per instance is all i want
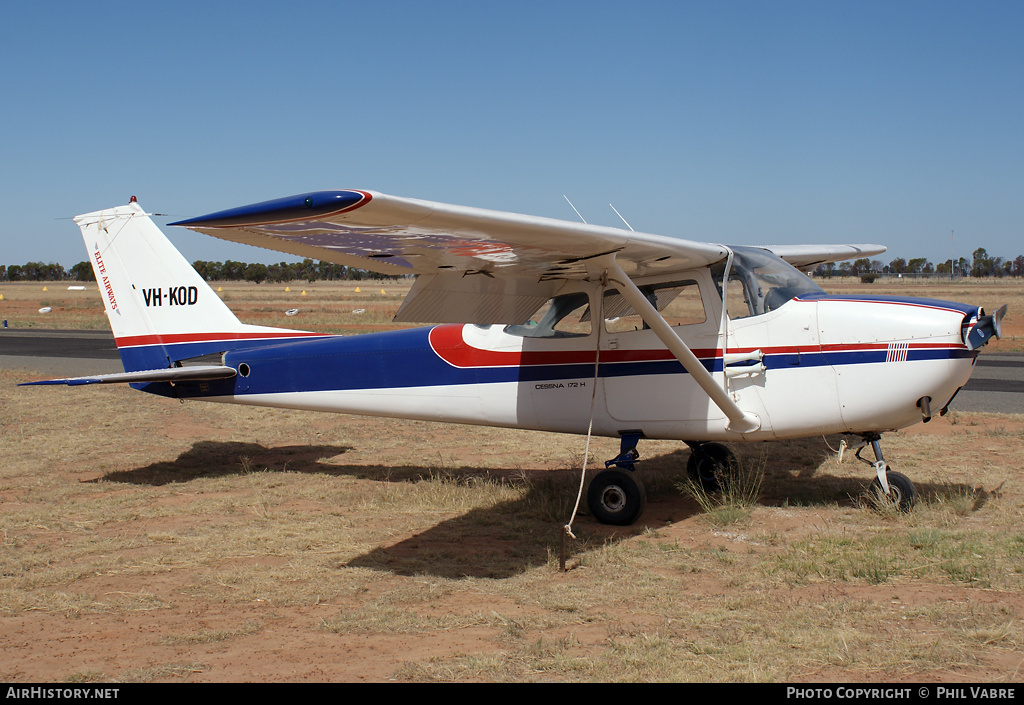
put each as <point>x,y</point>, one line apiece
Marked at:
<point>599,322</point>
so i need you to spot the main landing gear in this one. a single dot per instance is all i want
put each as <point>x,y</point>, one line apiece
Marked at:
<point>616,495</point>
<point>710,465</point>
<point>888,486</point>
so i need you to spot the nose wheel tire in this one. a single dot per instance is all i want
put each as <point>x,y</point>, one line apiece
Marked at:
<point>616,497</point>
<point>902,493</point>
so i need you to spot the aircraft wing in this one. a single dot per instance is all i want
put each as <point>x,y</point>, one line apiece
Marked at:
<point>394,235</point>
<point>474,265</point>
<point>807,257</point>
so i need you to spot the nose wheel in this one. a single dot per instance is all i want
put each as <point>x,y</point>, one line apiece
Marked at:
<point>888,486</point>
<point>901,495</point>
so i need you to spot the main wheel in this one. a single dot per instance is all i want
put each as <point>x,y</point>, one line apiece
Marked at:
<point>616,497</point>
<point>901,491</point>
<point>710,466</point>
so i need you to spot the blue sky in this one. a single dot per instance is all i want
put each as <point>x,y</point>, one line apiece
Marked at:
<point>728,121</point>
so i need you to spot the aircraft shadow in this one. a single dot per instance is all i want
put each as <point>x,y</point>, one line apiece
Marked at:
<point>221,459</point>
<point>510,537</point>
<point>793,476</point>
<point>479,543</point>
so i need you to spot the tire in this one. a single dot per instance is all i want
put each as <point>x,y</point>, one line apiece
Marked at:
<point>710,465</point>
<point>902,493</point>
<point>616,497</point>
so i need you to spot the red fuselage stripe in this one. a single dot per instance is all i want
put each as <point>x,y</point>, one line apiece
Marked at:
<point>447,342</point>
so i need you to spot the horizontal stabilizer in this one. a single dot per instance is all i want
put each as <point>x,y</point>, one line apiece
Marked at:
<point>198,373</point>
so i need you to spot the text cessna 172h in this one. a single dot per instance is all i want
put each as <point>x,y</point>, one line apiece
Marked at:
<point>544,324</point>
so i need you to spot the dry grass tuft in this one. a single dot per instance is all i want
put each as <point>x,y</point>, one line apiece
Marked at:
<point>737,498</point>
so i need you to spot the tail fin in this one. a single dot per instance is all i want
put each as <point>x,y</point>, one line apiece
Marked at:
<point>161,311</point>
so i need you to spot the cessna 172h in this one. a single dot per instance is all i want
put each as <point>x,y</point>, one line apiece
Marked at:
<point>544,324</point>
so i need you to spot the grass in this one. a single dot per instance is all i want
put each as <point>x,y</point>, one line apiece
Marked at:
<point>328,307</point>
<point>737,498</point>
<point>300,528</point>
<point>182,542</point>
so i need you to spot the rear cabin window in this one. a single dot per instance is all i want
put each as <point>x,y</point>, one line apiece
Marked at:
<point>679,302</point>
<point>565,316</point>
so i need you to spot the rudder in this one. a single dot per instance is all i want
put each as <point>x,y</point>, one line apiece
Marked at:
<point>161,311</point>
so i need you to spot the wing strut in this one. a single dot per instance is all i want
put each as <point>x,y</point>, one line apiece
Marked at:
<point>739,420</point>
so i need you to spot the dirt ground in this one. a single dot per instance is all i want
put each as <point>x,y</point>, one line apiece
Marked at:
<point>40,647</point>
<point>150,615</point>
<point>142,540</point>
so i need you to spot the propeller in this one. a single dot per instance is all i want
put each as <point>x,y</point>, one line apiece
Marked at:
<point>985,328</point>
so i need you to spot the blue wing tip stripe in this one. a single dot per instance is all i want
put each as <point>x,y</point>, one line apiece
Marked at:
<point>305,206</point>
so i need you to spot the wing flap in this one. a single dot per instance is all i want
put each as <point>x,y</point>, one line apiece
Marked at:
<point>475,298</point>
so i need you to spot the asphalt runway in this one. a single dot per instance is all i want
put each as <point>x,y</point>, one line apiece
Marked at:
<point>59,353</point>
<point>997,384</point>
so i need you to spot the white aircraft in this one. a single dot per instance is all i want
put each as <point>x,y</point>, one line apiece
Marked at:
<point>545,324</point>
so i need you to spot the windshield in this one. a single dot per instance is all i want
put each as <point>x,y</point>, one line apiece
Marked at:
<point>759,282</point>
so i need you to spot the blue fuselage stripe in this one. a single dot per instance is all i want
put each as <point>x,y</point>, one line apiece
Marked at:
<point>405,359</point>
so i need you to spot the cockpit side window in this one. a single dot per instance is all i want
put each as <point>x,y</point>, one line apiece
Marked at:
<point>760,282</point>
<point>740,303</point>
<point>565,316</point>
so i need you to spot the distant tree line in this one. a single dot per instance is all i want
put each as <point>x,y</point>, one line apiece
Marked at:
<point>307,269</point>
<point>981,265</point>
<point>50,272</point>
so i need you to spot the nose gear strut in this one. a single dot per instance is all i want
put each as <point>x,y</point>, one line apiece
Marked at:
<point>889,485</point>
